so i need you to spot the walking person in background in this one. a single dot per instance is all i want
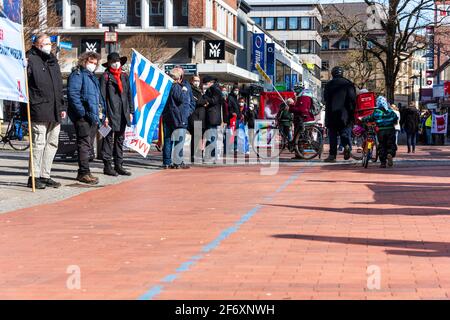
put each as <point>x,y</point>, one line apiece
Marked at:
<point>410,121</point>
<point>428,124</point>
<point>175,122</point>
<point>199,116</point>
<point>234,117</point>
<point>46,102</point>
<point>115,88</point>
<point>251,115</point>
<point>398,127</point>
<point>340,104</point>
<point>85,100</point>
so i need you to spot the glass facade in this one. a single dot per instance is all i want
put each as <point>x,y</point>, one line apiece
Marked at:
<point>290,23</point>
<point>303,46</point>
<point>269,23</point>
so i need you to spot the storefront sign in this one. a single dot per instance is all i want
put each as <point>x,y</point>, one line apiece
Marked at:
<point>438,91</point>
<point>91,45</point>
<point>189,69</point>
<point>215,50</point>
<point>270,54</point>
<point>430,47</point>
<point>112,12</point>
<point>258,50</point>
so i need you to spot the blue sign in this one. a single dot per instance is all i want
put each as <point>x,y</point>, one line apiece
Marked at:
<point>112,11</point>
<point>53,39</point>
<point>291,80</point>
<point>65,45</point>
<point>270,55</point>
<point>258,50</point>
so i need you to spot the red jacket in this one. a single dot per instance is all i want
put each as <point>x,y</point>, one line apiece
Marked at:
<point>302,108</point>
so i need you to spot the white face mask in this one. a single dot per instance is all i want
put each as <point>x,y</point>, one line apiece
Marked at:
<point>196,84</point>
<point>91,67</point>
<point>47,49</point>
<point>236,93</point>
<point>241,104</point>
<point>116,65</point>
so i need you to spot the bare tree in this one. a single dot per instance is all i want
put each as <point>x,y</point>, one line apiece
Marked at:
<point>151,47</point>
<point>399,23</point>
<point>39,16</point>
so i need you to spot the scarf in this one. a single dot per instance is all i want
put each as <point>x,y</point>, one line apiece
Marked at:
<point>117,75</point>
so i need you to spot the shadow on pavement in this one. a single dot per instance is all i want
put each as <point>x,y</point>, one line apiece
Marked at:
<point>410,247</point>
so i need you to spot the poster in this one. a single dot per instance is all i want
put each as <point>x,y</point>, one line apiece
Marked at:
<point>12,52</point>
<point>440,123</point>
<point>264,135</point>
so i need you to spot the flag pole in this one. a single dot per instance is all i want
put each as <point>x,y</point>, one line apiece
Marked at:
<point>31,163</point>
<point>269,80</point>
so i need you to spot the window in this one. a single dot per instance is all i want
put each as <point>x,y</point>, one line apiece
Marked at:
<point>180,12</point>
<point>305,46</point>
<point>293,23</point>
<point>78,13</point>
<point>325,65</point>
<point>325,44</point>
<point>292,45</point>
<point>281,23</point>
<point>137,8</point>
<point>156,13</point>
<point>344,44</point>
<point>257,21</point>
<point>305,23</point>
<point>241,34</point>
<point>269,23</point>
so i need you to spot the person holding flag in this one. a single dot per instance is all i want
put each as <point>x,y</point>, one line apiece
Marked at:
<point>115,88</point>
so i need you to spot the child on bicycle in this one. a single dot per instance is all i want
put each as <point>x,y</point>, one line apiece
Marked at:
<point>285,119</point>
<point>385,119</point>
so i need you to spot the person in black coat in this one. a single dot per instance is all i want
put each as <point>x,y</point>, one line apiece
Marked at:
<point>214,104</point>
<point>340,104</point>
<point>46,102</point>
<point>233,112</point>
<point>409,121</point>
<point>115,88</point>
<point>197,118</point>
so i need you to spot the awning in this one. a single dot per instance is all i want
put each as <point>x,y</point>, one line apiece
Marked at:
<point>227,72</point>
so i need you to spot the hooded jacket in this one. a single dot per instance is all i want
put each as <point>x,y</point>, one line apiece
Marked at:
<point>340,103</point>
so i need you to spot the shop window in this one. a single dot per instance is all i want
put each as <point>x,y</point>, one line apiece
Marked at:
<point>134,13</point>
<point>293,23</point>
<point>269,23</point>
<point>180,12</point>
<point>156,13</point>
<point>281,23</point>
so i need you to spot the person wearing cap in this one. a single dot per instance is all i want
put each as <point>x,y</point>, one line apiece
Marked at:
<point>340,104</point>
<point>115,88</point>
<point>214,101</point>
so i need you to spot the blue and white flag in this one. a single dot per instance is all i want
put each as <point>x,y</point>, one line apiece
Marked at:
<point>150,88</point>
<point>12,52</point>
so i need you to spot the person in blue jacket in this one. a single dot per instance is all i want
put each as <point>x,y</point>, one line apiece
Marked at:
<point>85,107</point>
<point>175,121</point>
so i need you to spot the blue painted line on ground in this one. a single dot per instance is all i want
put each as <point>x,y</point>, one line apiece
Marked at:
<point>185,266</point>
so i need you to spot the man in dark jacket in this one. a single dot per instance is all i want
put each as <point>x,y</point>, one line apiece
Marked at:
<point>197,118</point>
<point>175,122</point>
<point>115,88</point>
<point>233,112</point>
<point>214,103</point>
<point>85,101</point>
<point>409,121</point>
<point>340,103</point>
<point>46,102</point>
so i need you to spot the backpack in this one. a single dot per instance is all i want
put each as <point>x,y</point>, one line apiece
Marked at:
<point>316,106</point>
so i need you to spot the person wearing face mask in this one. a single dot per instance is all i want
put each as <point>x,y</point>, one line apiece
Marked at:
<point>115,88</point>
<point>85,100</point>
<point>46,102</point>
<point>234,113</point>
<point>198,116</point>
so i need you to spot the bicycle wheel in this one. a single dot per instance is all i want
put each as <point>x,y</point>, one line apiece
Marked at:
<point>357,147</point>
<point>268,143</point>
<point>19,142</point>
<point>309,143</point>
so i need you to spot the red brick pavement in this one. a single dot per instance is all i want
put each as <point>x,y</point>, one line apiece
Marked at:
<point>314,239</point>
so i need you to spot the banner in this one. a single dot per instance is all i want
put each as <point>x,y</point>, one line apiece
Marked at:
<point>258,51</point>
<point>270,55</point>
<point>439,125</point>
<point>12,52</point>
<point>150,88</point>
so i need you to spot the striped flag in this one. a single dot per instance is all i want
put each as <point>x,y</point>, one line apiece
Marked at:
<point>150,88</point>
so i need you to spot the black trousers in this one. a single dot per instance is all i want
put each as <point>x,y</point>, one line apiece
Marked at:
<point>112,148</point>
<point>386,144</point>
<point>344,134</point>
<point>84,131</point>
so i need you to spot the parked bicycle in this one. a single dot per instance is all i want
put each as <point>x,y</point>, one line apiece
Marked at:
<point>17,133</point>
<point>370,145</point>
<point>270,142</point>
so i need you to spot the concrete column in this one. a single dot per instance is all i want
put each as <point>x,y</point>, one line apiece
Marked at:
<point>168,14</point>
<point>66,14</point>
<point>145,14</point>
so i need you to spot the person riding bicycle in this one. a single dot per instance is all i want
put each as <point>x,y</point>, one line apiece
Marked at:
<point>385,118</point>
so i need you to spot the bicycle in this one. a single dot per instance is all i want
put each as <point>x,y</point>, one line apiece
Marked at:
<point>17,134</point>
<point>370,145</point>
<point>307,143</point>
